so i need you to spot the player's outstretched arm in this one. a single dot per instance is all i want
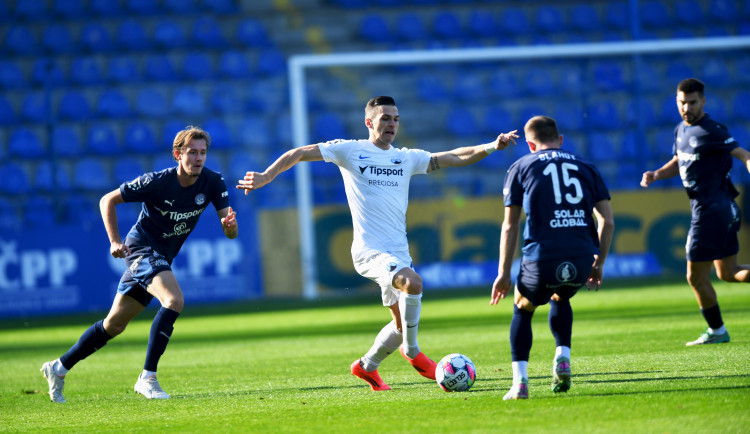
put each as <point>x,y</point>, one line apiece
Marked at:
<point>606,229</point>
<point>228,219</point>
<point>508,242</point>
<point>109,215</point>
<point>256,180</point>
<point>743,155</point>
<point>666,171</point>
<point>471,154</point>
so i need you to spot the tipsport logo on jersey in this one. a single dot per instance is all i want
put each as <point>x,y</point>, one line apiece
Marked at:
<point>380,172</point>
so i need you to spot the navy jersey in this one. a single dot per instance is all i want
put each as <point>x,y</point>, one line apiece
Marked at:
<point>703,154</point>
<point>557,191</point>
<point>171,211</point>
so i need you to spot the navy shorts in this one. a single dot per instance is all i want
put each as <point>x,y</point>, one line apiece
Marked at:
<point>714,235</point>
<point>144,263</point>
<point>538,280</point>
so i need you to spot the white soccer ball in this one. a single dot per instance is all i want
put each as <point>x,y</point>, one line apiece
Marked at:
<point>455,373</point>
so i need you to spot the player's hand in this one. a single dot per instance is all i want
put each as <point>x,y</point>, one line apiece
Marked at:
<point>500,288</point>
<point>230,221</point>
<point>505,139</point>
<point>253,181</point>
<point>119,250</point>
<point>595,278</point>
<point>648,178</point>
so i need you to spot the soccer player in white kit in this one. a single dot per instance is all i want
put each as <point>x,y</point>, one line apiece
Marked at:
<point>376,179</point>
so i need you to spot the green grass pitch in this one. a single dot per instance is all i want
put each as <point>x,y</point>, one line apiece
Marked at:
<point>285,368</point>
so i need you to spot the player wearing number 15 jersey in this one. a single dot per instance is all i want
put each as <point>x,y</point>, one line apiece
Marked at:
<point>563,248</point>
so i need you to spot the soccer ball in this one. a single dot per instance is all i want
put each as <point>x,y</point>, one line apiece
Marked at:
<point>455,373</point>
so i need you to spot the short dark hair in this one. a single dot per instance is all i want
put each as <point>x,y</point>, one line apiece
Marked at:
<point>380,100</point>
<point>543,128</point>
<point>690,85</point>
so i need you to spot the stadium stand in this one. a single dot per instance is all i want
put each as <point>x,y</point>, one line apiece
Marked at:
<point>52,178</point>
<point>66,141</point>
<point>39,212</point>
<point>74,106</point>
<point>7,112</point>
<point>58,39</point>
<point>25,143</point>
<point>112,103</point>
<point>91,174</point>
<point>102,139</point>
<point>15,179</point>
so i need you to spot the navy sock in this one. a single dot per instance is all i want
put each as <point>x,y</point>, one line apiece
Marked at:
<point>161,331</point>
<point>520,335</point>
<point>561,321</point>
<point>91,340</point>
<point>713,316</point>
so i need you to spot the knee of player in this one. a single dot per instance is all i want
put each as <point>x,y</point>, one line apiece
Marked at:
<point>175,303</point>
<point>113,328</point>
<point>411,284</point>
<point>726,275</point>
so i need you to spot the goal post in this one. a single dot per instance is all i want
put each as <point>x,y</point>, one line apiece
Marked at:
<point>300,64</point>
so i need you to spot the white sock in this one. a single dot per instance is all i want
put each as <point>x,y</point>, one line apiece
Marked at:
<point>410,306</point>
<point>562,351</point>
<point>386,342</point>
<point>719,331</point>
<point>519,371</point>
<point>146,374</point>
<point>60,370</point>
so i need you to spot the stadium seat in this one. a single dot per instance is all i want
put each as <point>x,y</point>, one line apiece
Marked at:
<point>272,62</point>
<point>461,122</point>
<point>57,39</point>
<point>162,161</point>
<point>654,14</point>
<point>640,112</point>
<point>514,20</point>
<point>447,25</point>
<point>570,117</point>
<point>584,18</point>
<point>644,74</point>
<point>529,110</point>
<point>9,217</point>
<point>21,40</point>
<point>252,33</point>
<point>39,212</point>
<point>35,108</point>
<point>677,71</point>
<point>87,71</point>
<point>234,64</point>
<point>433,88</point>
<point>410,26</point>
<point>609,76</point>
<point>66,141</point>
<point>142,7</point>
<point>717,108</point>
<point>503,83</point>
<point>741,108</point>
<point>179,6</point>
<point>255,133</point>
<point>188,100</point>
<point>668,113</point>
<point>715,72</point>
<point>634,145</point>
<point>481,23</point>
<point>123,69</point>
<point>15,179</point>
<point>91,174</point>
<point>82,210</point>
<point>549,19</point>
<point>197,66</point>
<point>47,72</point>
<point>470,87</point>
<point>219,6</point>
<point>221,134</point>
<point>74,106</point>
<point>102,139</point>
<point>689,12</point>
<point>160,67</point>
<point>106,8</point>
<point>127,169</point>
<point>602,148</point>
<point>31,9</point>
<point>497,119</point>
<point>724,10</point>
<point>139,137</point>
<point>131,35</point>
<point>113,104</point>
<point>169,34</point>
<point>539,81</point>
<point>617,16</point>
<point>207,33</point>
<point>25,143</point>
<point>151,102</point>
<point>7,113</point>
<point>373,28</point>
<point>11,75</point>
<point>604,115</point>
<point>51,178</point>
<point>328,126</point>
<point>242,163</point>
<point>170,129</point>
<point>95,37</point>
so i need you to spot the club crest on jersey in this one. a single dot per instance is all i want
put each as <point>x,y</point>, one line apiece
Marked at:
<point>200,199</point>
<point>392,266</point>
<point>566,272</point>
<point>395,160</point>
<point>693,141</point>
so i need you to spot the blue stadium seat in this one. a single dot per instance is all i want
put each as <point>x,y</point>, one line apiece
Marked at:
<point>742,135</point>
<point>151,102</point>
<point>634,145</point>
<point>162,161</point>
<point>570,117</point>
<point>234,64</point>
<point>51,177</point>
<point>47,71</point>
<point>717,108</point>
<point>25,143</point>
<point>113,104</point>
<point>91,174</point>
<point>35,107</point>
<point>609,76</point>
<point>11,75</point>
<point>410,26</point>
<point>584,18</point>
<point>57,39</point>
<point>15,179</point>
<point>31,9</point>
<point>159,67</point>
<point>169,34</point>
<point>9,217</point>
<point>82,210</point>
<point>433,88</point>
<point>255,133</point>
<point>351,4</point>
<point>95,37</point>
<point>39,212</point>
<point>549,19</point>
<point>641,112</point>
<point>689,12</point>
<point>207,33</point>
<point>139,137</point>
<point>724,10</point>
<point>617,15</point>
<point>74,106</point>
<point>106,8</point>
<point>272,62</point>
<point>221,134</point>
<point>123,69</point>
<point>604,115</point>
<point>197,66</point>
<point>461,122</point>
<point>66,141</point>
<point>131,35</point>
<point>741,108</point>
<point>179,6</point>
<point>470,87</point>
<point>668,114</point>
<point>677,71</point>
<point>447,25</point>
<point>21,39</point>
<point>142,7</point>
<point>7,113</point>
<point>654,14</point>
<point>602,148</point>
<point>220,6</point>
<point>170,129</point>
<point>497,119</point>
<point>529,110</point>
<point>127,169</point>
<point>87,71</point>
<point>539,81</point>
<point>482,23</point>
<point>514,20</point>
<point>328,126</point>
<point>644,77</point>
<point>102,139</point>
<point>252,33</point>
<point>502,82</point>
<point>373,28</point>
<point>242,163</point>
<point>715,72</point>
<point>189,101</point>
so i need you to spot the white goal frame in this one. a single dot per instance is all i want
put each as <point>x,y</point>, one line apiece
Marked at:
<point>299,64</point>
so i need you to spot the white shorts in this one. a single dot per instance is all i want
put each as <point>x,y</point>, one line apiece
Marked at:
<point>380,267</point>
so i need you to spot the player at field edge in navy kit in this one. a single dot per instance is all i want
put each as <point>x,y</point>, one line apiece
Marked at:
<point>173,201</point>
<point>563,248</point>
<point>376,179</point>
<point>703,151</point>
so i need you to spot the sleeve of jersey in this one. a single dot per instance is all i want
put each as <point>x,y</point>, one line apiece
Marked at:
<point>421,161</point>
<point>220,194</point>
<point>513,189</point>
<point>137,190</point>
<point>724,141</point>
<point>335,151</point>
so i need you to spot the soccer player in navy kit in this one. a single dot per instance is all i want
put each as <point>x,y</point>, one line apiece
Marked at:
<point>376,179</point>
<point>703,151</point>
<point>563,248</point>
<point>173,201</point>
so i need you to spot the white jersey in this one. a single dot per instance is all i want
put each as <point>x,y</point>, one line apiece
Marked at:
<point>377,189</point>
